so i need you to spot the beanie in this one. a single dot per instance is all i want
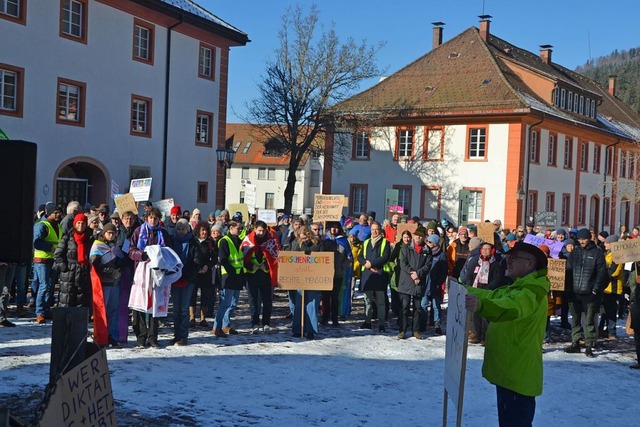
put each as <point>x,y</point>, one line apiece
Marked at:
<point>584,233</point>
<point>561,231</point>
<point>49,208</point>
<point>431,225</point>
<point>79,218</point>
<point>434,238</point>
<point>569,242</point>
<point>176,210</point>
<point>611,239</point>
<point>196,211</point>
<point>219,227</point>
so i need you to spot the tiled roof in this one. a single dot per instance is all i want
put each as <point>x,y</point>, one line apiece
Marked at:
<point>247,137</point>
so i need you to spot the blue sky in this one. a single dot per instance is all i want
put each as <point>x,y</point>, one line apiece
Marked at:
<point>577,30</point>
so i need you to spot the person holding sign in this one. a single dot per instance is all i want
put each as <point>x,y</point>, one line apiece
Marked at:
<point>517,316</point>
<point>306,242</point>
<point>374,258</point>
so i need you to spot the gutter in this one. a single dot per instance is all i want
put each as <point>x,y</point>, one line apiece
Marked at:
<point>165,132</point>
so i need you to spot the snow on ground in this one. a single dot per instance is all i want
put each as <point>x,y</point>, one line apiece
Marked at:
<point>348,377</point>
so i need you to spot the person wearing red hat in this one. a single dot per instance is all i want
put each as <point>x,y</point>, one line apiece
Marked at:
<point>174,215</point>
<point>71,259</point>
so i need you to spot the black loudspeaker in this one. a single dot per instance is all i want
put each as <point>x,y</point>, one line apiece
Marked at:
<point>17,192</point>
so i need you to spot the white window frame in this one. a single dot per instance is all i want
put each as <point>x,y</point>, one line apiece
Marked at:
<point>262,174</point>
<point>477,143</point>
<point>140,116</point>
<point>551,151</point>
<point>68,94</point>
<point>72,13</point>
<point>475,206</point>
<point>533,147</point>
<point>4,7</point>
<point>563,95</point>
<point>405,143</point>
<point>269,200</point>
<point>203,128</point>
<point>244,172</point>
<point>206,61</point>
<point>575,102</point>
<point>8,90</point>
<point>142,44</point>
<point>361,150</point>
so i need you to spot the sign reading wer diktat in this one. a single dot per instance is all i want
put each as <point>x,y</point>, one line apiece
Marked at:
<point>299,271</point>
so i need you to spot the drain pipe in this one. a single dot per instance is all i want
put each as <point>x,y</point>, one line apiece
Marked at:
<point>525,178</point>
<point>165,136</point>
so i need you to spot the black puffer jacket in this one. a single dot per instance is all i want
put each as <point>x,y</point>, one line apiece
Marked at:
<point>410,260</point>
<point>589,269</point>
<point>75,279</point>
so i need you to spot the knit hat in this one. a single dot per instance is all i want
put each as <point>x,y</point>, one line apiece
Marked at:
<point>92,217</point>
<point>238,216</point>
<point>569,242</point>
<point>611,239</point>
<point>434,238</point>
<point>212,215</point>
<point>510,237</point>
<point>108,227</point>
<point>79,218</point>
<point>348,223</point>
<point>194,212</point>
<point>176,210</point>
<point>49,208</point>
<point>219,227</point>
<point>583,233</point>
<point>431,225</point>
<point>474,243</point>
<point>561,231</point>
<point>603,234</point>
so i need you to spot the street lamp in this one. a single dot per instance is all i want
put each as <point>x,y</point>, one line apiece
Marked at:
<point>225,157</point>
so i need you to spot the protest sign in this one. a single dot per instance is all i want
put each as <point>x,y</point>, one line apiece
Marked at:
<point>546,219</point>
<point>126,202</point>
<point>140,188</point>
<point>554,246</point>
<point>83,396</point>
<point>556,270</point>
<point>267,215</point>
<point>298,271</point>
<point>164,206</point>
<point>327,207</point>
<point>239,207</point>
<point>396,209</point>
<point>487,231</point>
<point>404,226</point>
<point>626,251</point>
<point>250,193</point>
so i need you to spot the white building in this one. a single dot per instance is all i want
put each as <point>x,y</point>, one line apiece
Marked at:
<point>112,90</point>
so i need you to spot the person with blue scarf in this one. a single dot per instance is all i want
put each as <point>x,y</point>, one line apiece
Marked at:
<point>187,248</point>
<point>337,243</point>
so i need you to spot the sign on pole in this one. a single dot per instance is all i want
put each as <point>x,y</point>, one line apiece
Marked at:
<point>487,232</point>
<point>298,271</point>
<point>126,202</point>
<point>626,251</point>
<point>455,360</point>
<point>327,207</point>
<point>269,216</point>
<point>546,219</point>
<point>556,270</point>
<point>140,188</point>
<point>250,196</point>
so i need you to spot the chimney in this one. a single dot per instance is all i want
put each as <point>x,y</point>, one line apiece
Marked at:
<point>437,34</point>
<point>484,26</point>
<point>612,85</point>
<point>545,53</point>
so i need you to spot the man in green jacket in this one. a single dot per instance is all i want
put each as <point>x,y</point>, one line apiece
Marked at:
<point>517,316</point>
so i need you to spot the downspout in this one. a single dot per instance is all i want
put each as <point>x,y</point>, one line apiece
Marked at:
<point>165,136</point>
<point>525,178</point>
<point>604,183</point>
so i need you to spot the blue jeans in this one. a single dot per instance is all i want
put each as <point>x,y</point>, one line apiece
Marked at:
<point>43,283</point>
<point>111,305</point>
<point>311,300</point>
<point>228,302</point>
<point>436,306</point>
<point>181,297</point>
<point>515,409</point>
<point>21,284</point>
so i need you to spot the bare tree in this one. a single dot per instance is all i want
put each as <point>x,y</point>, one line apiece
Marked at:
<point>311,71</point>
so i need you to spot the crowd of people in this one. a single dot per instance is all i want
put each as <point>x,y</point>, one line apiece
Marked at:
<point>402,276</point>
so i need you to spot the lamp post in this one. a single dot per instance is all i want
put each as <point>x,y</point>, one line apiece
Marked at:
<point>521,195</point>
<point>225,160</point>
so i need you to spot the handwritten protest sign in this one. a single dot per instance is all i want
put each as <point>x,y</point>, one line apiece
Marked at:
<point>164,206</point>
<point>487,231</point>
<point>626,251</point>
<point>297,271</point>
<point>83,396</point>
<point>554,246</point>
<point>140,188</point>
<point>239,207</point>
<point>546,219</point>
<point>327,207</point>
<point>404,226</point>
<point>396,209</point>
<point>126,202</point>
<point>267,215</point>
<point>555,272</point>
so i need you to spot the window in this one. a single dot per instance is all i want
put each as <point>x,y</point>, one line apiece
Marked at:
<point>532,203</point>
<point>271,174</point>
<point>581,109</point>
<point>241,197</point>
<point>596,159</point>
<point>73,20</point>
<point>584,156</point>
<point>360,146</point>
<point>568,153</point>
<point>552,150</point>
<point>140,116</point>
<point>70,102</point>
<point>623,164</point>
<point>298,175</point>
<point>269,200</point>
<point>404,144</point>
<point>556,97</point>
<point>563,94</point>
<point>606,211</point>
<point>477,144</point>
<point>247,145</point>
<point>587,107</point>
<point>534,148</point>
<point>550,202</point>
<point>262,173</point>
<point>245,172</point>
<point>570,101</point>
<point>143,35</point>
<point>11,90</point>
<point>431,202</point>
<point>575,102</point>
<point>206,62</point>
<point>358,199</point>
<point>404,198</point>
<point>434,139</point>
<point>14,10</point>
<point>566,209</point>
<point>632,166</point>
<point>204,131</point>
<point>582,209</point>
<point>203,192</point>
<point>315,178</point>
<point>593,109</point>
<point>475,206</point>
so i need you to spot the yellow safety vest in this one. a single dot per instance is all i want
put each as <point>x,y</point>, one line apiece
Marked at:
<point>386,267</point>
<point>53,238</point>
<point>235,256</point>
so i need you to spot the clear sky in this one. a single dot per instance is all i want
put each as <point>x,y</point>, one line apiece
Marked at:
<point>577,30</point>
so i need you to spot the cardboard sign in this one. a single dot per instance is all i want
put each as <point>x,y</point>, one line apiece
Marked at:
<point>487,232</point>
<point>404,226</point>
<point>455,360</point>
<point>140,188</point>
<point>83,396</point>
<point>267,215</point>
<point>328,207</point>
<point>239,207</point>
<point>126,202</point>
<point>554,246</point>
<point>626,251</point>
<point>546,219</point>
<point>297,271</point>
<point>556,270</point>
<point>250,193</point>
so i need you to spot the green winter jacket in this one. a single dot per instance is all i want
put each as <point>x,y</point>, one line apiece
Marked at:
<point>517,316</point>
